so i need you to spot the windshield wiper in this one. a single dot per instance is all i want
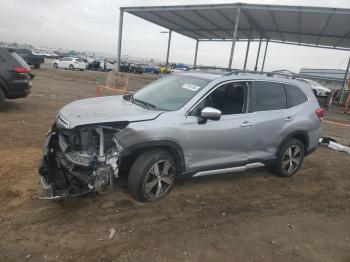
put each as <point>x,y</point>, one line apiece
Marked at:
<point>148,105</point>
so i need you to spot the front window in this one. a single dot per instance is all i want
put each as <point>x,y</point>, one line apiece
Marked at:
<point>229,98</point>
<point>169,93</point>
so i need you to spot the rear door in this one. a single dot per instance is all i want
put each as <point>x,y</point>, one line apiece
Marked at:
<point>268,105</point>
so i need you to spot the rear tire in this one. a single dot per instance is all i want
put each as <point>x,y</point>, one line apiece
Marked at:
<point>55,65</point>
<point>2,99</point>
<point>37,66</point>
<point>152,175</point>
<point>71,67</point>
<point>290,158</point>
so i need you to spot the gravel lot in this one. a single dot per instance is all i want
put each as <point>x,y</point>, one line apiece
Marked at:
<point>252,216</point>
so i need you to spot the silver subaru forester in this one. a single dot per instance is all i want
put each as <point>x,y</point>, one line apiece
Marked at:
<point>189,124</point>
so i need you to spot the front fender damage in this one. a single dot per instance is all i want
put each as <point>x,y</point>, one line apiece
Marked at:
<point>76,162</point>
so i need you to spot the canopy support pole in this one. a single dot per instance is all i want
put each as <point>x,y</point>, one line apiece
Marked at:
<point>195,55</point>
<point>168,51</point>
<point>257,57</point>
<point>263,65</point>
<point>234,37</point>
<point>120,34</point>
<point>344,81</point>
<point>246,54</point>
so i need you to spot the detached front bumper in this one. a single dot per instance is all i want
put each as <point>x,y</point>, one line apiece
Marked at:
<point>63,174</point>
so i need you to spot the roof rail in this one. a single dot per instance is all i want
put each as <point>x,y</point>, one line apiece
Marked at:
<point>239,71</point>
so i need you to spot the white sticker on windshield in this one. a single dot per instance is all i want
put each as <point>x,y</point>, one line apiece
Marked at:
<point>190,87</point>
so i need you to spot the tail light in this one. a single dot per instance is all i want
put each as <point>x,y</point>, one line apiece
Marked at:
<point>320,112</point>
<point>21,70</point>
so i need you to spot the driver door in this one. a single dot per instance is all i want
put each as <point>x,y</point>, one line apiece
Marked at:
<point>225,142</point>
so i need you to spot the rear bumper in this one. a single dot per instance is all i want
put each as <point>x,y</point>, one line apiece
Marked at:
<point>19,89</point>
<point>313,138</point>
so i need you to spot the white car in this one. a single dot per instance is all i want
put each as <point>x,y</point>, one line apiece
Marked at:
<point>70,63</point>
<point>317,88</point>
<point>109,66</point>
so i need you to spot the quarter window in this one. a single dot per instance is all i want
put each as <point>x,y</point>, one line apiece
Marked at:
<point>295,96</point>
<point>268,96</point>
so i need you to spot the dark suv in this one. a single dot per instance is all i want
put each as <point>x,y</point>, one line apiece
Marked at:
<point>30,58</point>
<point>14,76</point>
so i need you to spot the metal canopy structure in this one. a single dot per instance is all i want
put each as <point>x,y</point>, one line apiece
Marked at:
<point>297,25</point>
<point>312,26</point>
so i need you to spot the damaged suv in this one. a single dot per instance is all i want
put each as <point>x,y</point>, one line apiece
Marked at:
<point>188,124</point>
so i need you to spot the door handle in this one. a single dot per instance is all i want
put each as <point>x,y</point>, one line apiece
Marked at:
<point>246,124</point>
<point>289,118</point>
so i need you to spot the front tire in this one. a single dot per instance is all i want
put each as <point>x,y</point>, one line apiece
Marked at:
<point>55,65</point>
<point>71,67</point>
<point>290,158</point>
<point>152,175</point>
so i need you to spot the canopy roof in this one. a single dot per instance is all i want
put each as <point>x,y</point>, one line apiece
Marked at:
<point>300,25</point>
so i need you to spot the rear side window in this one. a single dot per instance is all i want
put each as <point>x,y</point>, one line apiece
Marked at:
<point>19,60</point>
<point>268,96</point>
<point>295,96</point>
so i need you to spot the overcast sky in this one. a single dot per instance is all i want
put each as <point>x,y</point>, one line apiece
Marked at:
<point>92,25</point>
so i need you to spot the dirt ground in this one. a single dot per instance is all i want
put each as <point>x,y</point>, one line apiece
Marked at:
<point>252,216</point>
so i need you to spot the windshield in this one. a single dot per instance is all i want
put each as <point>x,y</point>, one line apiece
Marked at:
<point>169,93</point>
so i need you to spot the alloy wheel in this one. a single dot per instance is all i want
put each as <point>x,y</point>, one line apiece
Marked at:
<point>159,179</point>
<point>291,159</point>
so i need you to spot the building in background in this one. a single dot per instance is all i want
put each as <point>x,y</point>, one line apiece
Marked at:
<point>330,78</point>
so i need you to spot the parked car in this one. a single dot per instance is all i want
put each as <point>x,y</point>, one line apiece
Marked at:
<point>132,68</point>
<point>179,67</point>
<point>189,124</point>
<point>165,69</point>
<point>318,89</point>
<point>137,68</point>
<point>31,58</point>
<point>14,76</point>
<point>93,65</point>
<point>106,66</point>
<point>70,63</point>
<point>152,69</point>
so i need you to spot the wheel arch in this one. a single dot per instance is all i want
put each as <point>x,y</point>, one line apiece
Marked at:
<point>302,136</point>
<point>129,155</point>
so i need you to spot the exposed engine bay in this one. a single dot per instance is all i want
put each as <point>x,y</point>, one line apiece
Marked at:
<point>80,160</point>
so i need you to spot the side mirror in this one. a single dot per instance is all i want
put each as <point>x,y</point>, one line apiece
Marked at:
<point>210,113</point>
<point>127,96</point>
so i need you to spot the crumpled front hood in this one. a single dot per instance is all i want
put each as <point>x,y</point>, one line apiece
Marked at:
<point>103,110</point>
